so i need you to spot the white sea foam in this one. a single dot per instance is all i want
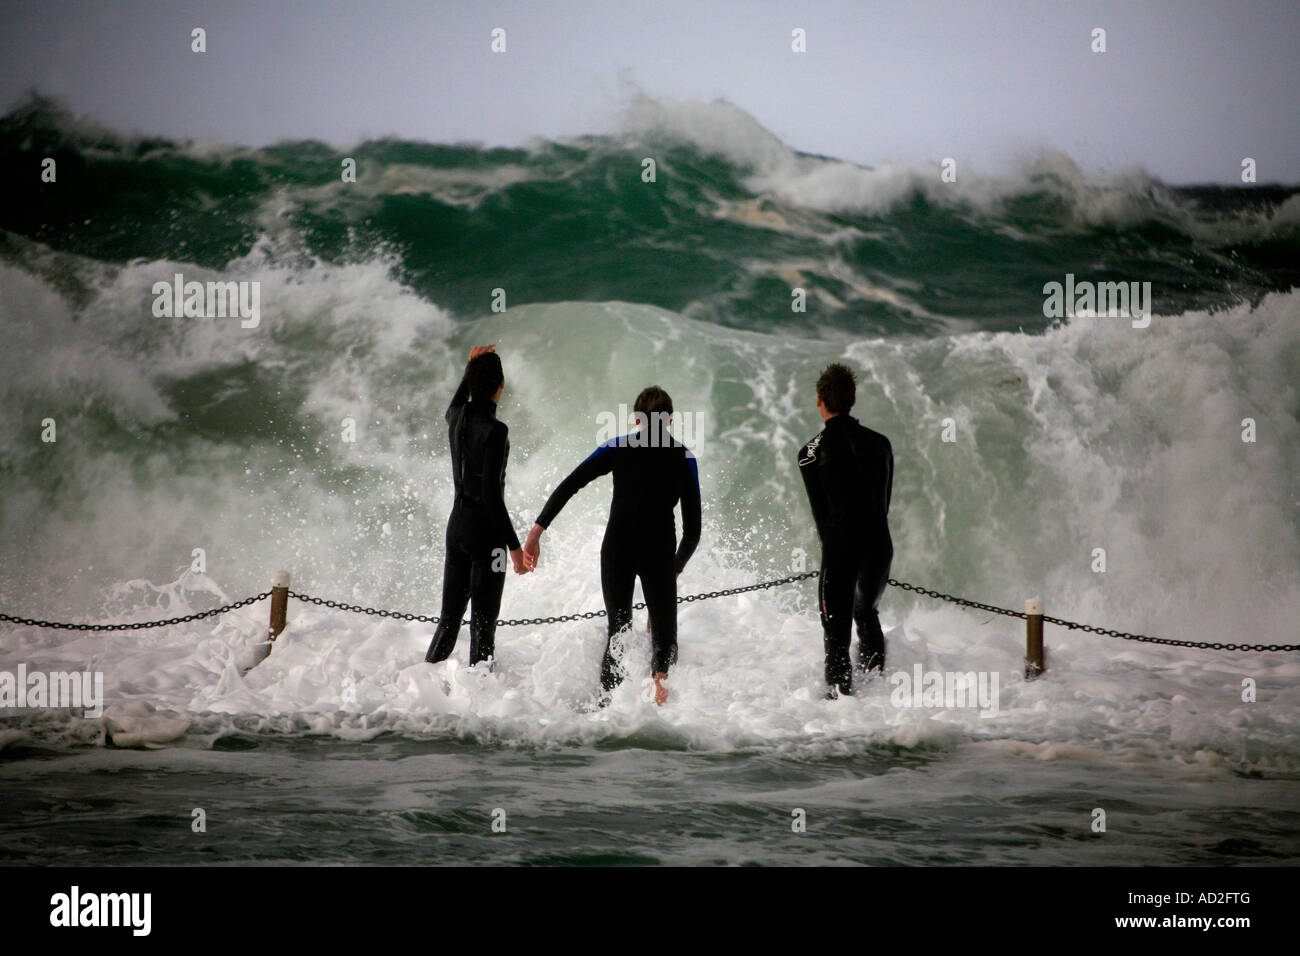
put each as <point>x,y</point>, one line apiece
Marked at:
<point>1091,435</point>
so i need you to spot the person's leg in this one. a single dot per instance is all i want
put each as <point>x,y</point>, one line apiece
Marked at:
<point>659,585</point>
<point>835,596</point>
<point>487,581</point>
<point>872,577</point>
<point>455,597</point>
<point>617,579</point>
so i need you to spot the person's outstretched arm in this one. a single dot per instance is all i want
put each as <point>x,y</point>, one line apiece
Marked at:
<point>459,399</point>
<point>599,462</point>
<point>690,513</point>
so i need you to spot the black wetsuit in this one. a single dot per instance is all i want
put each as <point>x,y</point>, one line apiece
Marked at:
<point>479,532</point>
<point>641,536</point>
<point>848,471</point>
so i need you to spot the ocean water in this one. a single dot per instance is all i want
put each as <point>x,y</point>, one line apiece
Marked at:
<point>176,434</point>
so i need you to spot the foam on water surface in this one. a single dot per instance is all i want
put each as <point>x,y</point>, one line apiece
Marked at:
<point>1093,434</point>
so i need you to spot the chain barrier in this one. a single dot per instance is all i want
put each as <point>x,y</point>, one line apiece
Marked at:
<point>137,625</point>
<point>1125,636</point>
<point>1103,631</point>
<point>560,619</point>
<point>953,599</point>
<point>684,599</point>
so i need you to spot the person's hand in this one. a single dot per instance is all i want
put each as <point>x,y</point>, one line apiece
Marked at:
<point>533,546</point>
<point>521,562</point>
<point>478,350</point>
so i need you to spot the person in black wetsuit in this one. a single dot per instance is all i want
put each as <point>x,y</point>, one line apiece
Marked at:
<point>479,531</point>
<point>848,471</point>
<point>652,472</point>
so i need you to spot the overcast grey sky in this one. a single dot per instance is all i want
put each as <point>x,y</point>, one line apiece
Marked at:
<point>1185,89</point>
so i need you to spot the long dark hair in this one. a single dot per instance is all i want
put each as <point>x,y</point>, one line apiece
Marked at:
<point>484,375</point>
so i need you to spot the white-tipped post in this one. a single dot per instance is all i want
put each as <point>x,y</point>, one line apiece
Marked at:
<point>1035,659</point>
<point>279,602</point>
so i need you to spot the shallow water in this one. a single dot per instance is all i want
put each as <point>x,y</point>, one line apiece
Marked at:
<point>395,801</point>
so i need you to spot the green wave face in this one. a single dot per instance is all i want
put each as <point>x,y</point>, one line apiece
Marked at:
<point>727,229</point>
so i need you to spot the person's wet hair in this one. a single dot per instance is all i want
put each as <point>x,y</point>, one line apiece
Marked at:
<point>837,388</point>
<point>653,399</point>
<point>484,375</point>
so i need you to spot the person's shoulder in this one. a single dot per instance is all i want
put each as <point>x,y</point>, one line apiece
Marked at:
<point>492,431</point>
<point>811,449</point>
<point>610,445</point>
<point>873,436</point>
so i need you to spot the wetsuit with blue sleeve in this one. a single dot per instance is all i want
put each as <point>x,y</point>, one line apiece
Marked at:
<point>650,478</point>
<point>848,472</point>
<point>479,531</point>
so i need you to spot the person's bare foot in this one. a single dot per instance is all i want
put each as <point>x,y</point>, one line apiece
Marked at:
<point>661,692</point>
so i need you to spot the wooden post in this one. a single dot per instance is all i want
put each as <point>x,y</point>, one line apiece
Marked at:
<point>279,602</point>
<point>1035,662</point>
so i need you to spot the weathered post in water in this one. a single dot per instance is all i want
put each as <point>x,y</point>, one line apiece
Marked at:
<point>1035,663</point>
<point>279,602</point>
